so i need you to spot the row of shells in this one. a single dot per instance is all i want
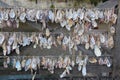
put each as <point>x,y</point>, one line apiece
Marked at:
<point>50,63</point>
<point>65,17</point>
<point>13,40</point>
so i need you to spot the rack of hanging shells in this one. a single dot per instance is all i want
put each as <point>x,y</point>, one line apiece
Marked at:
<point>81,23</point>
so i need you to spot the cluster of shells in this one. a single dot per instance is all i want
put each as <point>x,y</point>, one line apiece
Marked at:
<point>13,40</point>
<point>50,63</point>
<point>65,17</point>
<point>82,20</point>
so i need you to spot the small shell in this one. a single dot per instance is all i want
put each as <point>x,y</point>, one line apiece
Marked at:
<point>97,51</point>
<point>12,14</point>
<point>87,46</point>
<point>112,30</point>
<point>18,65</point>
<point>2,38</point>
<point>84,72</point>
<point>47,32</point>
<point>22,17</point>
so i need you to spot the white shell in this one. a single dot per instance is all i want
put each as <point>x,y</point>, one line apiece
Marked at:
<point>97,51</point>
<point>27,64</point>
<point>102,38</point>
<point>84,72</point>
<point>2,38</point>
<point>51,16</point>
<point>87,46</point>
<point>47,32</point>
<point>22,17</point>
<point>18,65</point>
<point>12,14</point>
<point>112,30</point>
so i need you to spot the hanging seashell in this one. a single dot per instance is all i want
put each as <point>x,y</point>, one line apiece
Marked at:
<point>93,60</point>
<point>92,42</point>
<point>18,65</point>
<point>47,32</point>
<point>1,16</point>
<point>72,63</point>
<point>100,61</point>
<point>114,18</point>
<point>22,17</point>
<point>34,63</point>
<point>51,16</point>
<point>63,74</point>
<point>9,23</point>
<point>2,38</point>
<point>102,38</point>
<point>79,67</point>
<point>94,24</point>
<point>87,46</point>
<point>81,30</point>
<point>97,51</point>
<point>13,62</point>
<point>17,23</point>
<point>14,46</point>
<point>31,15</point>
<point>84,73</point>
<point>8,49</point>
<point>27,64</point>
<point>75,15</point>
<point>17,50</point>
<point>8,60</point>
<point>5,15</point>
<point>5,64</point>
<point>23,63</point>
<point>12,14</point>
<point>107,62</point>
<point>4,49</point>
<point>112,30</point>
<point>110,42</point>
<point>81,14</point>
<point>63,23</point>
